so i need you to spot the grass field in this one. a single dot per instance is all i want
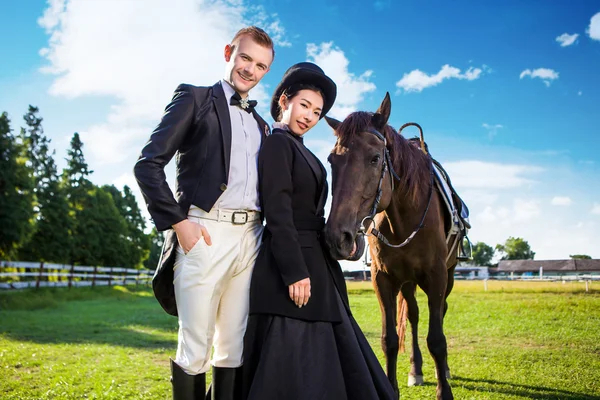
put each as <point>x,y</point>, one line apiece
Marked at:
<point>517,340</point>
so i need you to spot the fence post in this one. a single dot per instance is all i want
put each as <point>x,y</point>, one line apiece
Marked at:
<point>37,284</point>
<point>485,285</point>
<point>94,276</point>
<point>110,276</point>
<point>71,275</point>
<point>587,286</point>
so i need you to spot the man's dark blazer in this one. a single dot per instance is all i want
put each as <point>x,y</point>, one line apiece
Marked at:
<point>293,189</point>
<point>196,127</point>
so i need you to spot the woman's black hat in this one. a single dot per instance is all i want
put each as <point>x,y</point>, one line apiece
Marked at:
<point>305,73</point>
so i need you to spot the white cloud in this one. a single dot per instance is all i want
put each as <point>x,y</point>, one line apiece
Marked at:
<point>351,88</point>
<point>417,80</point>
<point>525,210</point>
<point>270,23</point>
<point>492,129</point>
<point>137,56</point>
<point>593,29</point>
<point>473,174</point>
<point>566,40</point>
<point>596,209</point>
<point>561,201</point>
<point>545,74</point>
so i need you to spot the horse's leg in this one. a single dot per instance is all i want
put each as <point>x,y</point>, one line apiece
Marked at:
<point>449,287</point>
<point>436,340</point>
<point>387,291</point>
<point>415,376</point>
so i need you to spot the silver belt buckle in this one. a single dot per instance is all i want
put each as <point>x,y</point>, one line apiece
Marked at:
<point>241,220</point>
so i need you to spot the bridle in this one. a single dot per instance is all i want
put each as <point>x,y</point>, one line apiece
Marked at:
<point>387,166</point>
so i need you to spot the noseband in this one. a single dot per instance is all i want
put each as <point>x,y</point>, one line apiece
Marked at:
<point>387,166</point>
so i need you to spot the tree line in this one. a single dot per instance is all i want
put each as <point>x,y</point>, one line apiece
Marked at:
<point>62,217</point>
<point>512,249</point>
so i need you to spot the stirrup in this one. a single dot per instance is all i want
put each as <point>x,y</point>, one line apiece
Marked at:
<point>465,250</point>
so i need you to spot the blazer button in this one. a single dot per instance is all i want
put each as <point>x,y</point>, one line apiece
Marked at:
<point>223,187</point>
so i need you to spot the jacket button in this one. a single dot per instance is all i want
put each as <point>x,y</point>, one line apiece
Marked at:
<point>223,187</point>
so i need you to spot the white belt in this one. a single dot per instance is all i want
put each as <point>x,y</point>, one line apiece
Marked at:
<point>236,217</point>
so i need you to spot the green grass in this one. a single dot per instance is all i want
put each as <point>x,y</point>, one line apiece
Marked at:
<point>515,341</point>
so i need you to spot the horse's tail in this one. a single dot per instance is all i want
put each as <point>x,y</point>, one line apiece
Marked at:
<point>402,317</point>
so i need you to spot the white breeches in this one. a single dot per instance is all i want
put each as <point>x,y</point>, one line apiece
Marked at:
<point>212,285</point>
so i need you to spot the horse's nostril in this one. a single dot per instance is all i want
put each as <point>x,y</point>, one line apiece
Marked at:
<point>346,238</point>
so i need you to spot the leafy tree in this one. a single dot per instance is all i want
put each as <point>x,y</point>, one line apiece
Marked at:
<point>482,254</point>
<point>51,233</point>
<point>99,235</point>
<point>137,241</point>
<point>157,239</point>
<point>16,193</point>
<point>515,249</point>
<point>580,257</point>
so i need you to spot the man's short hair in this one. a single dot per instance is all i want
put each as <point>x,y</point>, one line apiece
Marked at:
<point>258,35</point>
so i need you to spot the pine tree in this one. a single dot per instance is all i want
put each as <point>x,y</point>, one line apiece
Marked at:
<point>51,233</point>
<point>75,175</point>
<point>77,188</point>
<point>16,193</point>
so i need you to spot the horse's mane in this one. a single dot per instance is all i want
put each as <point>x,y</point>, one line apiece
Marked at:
<point>410,163</point>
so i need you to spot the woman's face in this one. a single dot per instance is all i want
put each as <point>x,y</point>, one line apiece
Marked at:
<point>302,111</point>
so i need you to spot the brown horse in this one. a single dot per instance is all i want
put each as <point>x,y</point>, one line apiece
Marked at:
<point>378,176</point>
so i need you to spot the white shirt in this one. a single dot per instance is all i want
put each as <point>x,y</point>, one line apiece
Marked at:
<point>242,186</point>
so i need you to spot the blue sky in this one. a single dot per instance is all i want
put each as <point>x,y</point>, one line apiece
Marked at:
<point>507,92</point>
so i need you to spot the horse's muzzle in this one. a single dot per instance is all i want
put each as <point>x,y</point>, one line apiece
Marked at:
<point>341,244</point>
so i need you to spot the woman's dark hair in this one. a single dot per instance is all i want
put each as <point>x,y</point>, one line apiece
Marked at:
<point>294,89</point>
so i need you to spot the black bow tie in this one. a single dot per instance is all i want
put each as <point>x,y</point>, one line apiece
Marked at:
<point>244,104</point>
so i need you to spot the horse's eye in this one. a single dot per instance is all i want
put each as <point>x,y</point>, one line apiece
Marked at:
<point>375,160</point>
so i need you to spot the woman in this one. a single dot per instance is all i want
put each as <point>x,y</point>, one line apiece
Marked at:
<point>301,341</point>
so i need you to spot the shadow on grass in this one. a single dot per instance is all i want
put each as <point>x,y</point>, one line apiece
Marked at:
<point>120,316</point>
<point>524,391</point>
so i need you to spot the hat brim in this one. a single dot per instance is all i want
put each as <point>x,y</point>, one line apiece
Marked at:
<point>310,77</point>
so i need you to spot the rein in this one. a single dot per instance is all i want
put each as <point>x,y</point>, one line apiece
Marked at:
<point>387,166</point>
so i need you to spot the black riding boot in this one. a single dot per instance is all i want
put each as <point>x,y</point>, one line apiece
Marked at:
<point>226,384</point>
<point>187,387</point>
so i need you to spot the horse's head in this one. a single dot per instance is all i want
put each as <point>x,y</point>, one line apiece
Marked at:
<point>359,173</point>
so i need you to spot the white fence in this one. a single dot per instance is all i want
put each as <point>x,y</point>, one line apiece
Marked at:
<point>19,275</point>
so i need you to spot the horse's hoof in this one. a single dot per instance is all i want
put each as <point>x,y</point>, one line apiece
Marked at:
<point>448,374</point>
<point>415,380</point>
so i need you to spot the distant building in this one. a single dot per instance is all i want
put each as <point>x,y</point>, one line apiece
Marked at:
<point>541,268</point>
<point>470,271</point>
<point>357,275</point>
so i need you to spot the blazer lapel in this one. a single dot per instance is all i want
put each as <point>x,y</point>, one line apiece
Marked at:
<point>324,189</point>
<point>263,126</point>
<point>225,122</point>
<point>317,169</point>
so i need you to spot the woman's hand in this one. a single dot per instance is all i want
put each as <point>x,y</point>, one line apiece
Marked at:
<point>300,292</point>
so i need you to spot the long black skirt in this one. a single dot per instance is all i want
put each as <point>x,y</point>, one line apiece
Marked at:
<point>291,359</point>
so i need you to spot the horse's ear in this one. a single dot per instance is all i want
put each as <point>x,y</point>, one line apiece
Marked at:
<point>381,116</point>
<point>334,123</point>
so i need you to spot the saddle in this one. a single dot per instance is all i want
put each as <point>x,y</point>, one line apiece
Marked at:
<point>455,206</point>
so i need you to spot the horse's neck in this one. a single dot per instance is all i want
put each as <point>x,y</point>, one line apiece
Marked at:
<point>411,190</point>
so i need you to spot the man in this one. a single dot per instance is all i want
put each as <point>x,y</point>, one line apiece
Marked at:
<point>214,222</point>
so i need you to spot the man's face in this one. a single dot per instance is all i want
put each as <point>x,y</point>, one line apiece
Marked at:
<point>246,64</point>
